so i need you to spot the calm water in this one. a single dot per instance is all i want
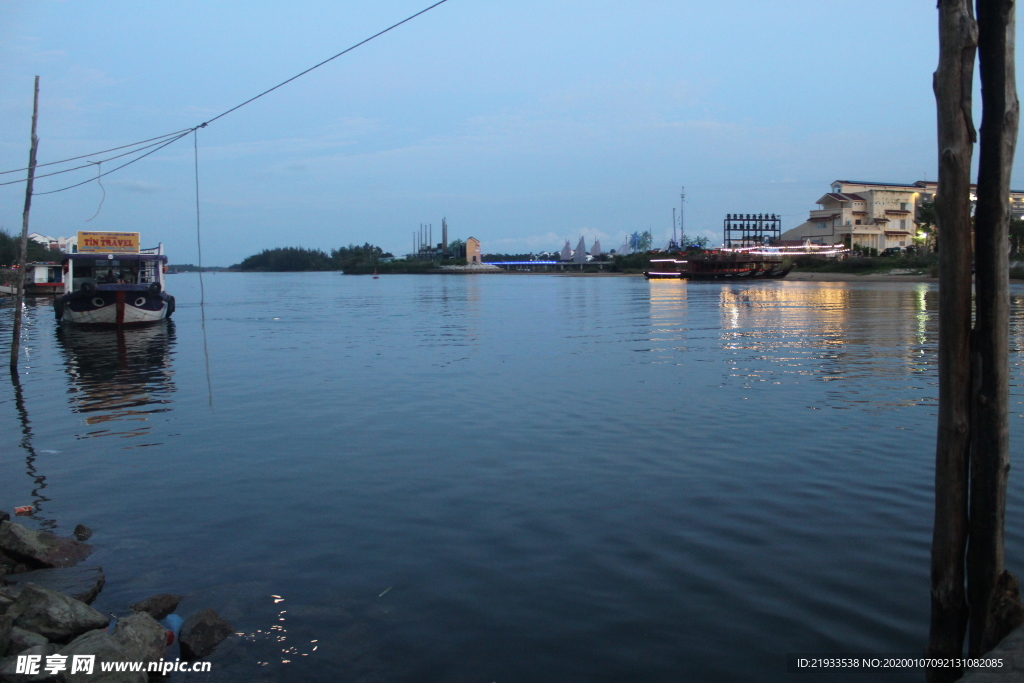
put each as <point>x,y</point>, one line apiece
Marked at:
<point>504,478</point>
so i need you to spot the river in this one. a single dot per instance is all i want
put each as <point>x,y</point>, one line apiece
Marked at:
<point>504,478</point>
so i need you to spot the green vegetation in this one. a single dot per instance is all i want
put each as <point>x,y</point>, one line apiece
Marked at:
<point>286,259</point>
<point>352,260</point>
<point>10,248</point>
<point>864,265</point>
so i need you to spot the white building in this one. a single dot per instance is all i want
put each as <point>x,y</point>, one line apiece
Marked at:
<point>59,243</point>
<point>873,215</point>
<point>863,214</point>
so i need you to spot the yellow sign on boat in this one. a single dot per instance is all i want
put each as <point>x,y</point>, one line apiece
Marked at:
<point>108,242</point>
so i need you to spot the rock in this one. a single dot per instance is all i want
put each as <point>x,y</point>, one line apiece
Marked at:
<point>80,583</point>
<point>9,565</point>
<point>55,616</point>
<point>6,623</point>
<point>8,666</point>
<point>82,532</point>
<point>4,516</point>
<point>157,606</point>
<point>106,649</point>
<point>141,637</point>
<point>40,549</point>
<point>201,633</point>
<point>22,640</point>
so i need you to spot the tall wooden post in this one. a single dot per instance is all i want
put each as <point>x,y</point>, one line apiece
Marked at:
<point>952,83</point>
<point>20,298</point>
<point>992,595</point>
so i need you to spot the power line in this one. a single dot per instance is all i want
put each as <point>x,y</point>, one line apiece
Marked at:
<point>112,149</point>
<point>93,163</point>
<point>177,135</point>
<point>129,163</point>
<point>375,35</point>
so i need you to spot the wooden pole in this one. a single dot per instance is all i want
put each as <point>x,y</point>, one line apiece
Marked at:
<point>992,593</point>
<point>20,297</point>
<point>956,135</point>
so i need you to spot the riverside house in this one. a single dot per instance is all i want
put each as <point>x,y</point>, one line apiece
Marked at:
<point>872,215</point>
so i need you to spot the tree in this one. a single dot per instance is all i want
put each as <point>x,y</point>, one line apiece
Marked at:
<point>1016,236</point>
<point>927,222</point>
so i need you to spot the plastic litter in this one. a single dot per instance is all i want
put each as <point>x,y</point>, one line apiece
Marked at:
<point>172,622</point>
<point>23,510</point>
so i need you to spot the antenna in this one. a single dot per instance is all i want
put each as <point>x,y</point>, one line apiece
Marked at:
<point>682,203</point>
<point>674,225</point>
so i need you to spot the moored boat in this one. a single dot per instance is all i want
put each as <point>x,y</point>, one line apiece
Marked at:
<point>43,278</point>
<point>719,265</point>
<point>111,281</point>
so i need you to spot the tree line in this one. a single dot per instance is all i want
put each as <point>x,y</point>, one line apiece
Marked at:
<point>10,250</point>
<point>352,260</point>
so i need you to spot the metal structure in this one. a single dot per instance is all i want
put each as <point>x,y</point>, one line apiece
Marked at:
<point>750,230</point>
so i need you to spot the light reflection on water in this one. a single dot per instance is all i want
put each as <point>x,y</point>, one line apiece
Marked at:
<point>505,478</point>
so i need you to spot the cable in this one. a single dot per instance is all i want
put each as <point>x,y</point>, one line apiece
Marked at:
<point>112,149</point>
<point>76,168</point>
<point>174,137</point>
<point>375,35</point>
<point>172,140</point>
<point>99,167</point>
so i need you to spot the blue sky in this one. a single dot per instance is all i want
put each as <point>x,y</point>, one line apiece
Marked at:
<point>524,123</point>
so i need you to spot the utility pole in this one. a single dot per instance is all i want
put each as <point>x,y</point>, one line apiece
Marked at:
<point>20,298</point>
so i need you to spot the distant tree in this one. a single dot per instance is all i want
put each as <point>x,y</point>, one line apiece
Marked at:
<point>287,259</point>
<point>1016,236</point>
<point>10,248</point>
<point>354,258</point>
<point>927,222</point>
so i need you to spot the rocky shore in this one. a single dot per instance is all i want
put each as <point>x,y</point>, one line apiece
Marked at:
<point>45,596</point>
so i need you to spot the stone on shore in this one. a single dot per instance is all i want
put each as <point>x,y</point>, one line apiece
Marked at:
<point>6,624</point>
<point>201,633</point>
<point>8,666</point>
<point>157,606</point>
<point>106,649</point>
<point>82,532</point>
<point>4,516</point>
<point>141,637</point>
<point>52,615</point>
<point>40,549</point>
<point>21,640</point>
<point>80,583</point>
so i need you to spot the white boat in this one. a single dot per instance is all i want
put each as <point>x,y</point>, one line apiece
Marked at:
<point>108,287</point>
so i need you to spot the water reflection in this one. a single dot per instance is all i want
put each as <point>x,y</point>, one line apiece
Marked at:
<point>119,378</point>
<point>38,480</point>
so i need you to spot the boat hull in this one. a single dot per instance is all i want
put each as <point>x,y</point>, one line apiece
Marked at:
<point>117,307</point>
<point>731,274</point>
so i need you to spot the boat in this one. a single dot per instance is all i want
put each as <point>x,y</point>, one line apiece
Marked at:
<point>43,278</point>
<point>109,280</point>
<point>720,265</point>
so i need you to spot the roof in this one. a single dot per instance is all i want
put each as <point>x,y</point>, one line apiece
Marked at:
<point>823,218</point>
<point>841,197</point>
<point>915,186</point>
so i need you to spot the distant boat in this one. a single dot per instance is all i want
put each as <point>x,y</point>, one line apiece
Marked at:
<point>43,279</point>
<point>719,265</point>
<point>113,282</point>
<point>375,276</point>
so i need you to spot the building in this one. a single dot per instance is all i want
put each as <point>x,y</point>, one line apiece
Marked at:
<point>472,251</point>
<point>58,243</point>
<point>873,215</point>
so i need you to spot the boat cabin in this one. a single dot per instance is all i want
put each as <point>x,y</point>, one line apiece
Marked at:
<point>143,268</point>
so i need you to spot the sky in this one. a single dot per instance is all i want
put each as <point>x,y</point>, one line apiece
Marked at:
<point>524,124</point>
